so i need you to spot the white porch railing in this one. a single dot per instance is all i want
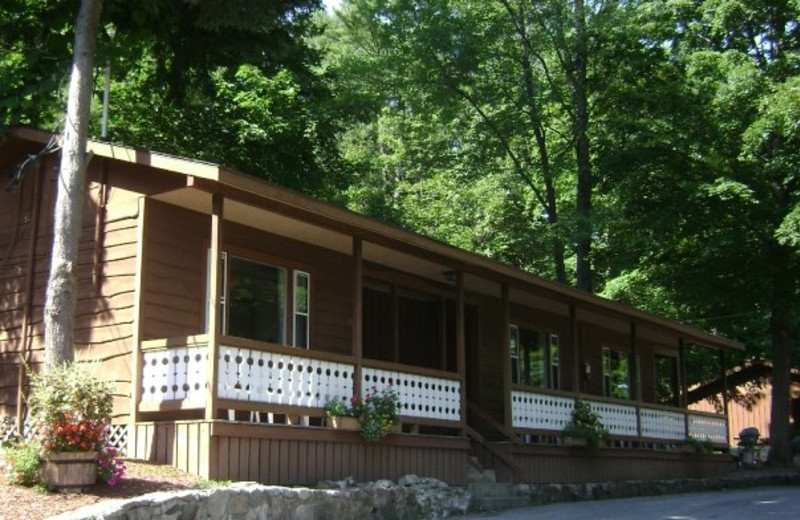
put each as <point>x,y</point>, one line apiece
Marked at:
<point>175,375</point>
<point>663,424</point>
<point>427,397</point>
<point>540,411</point>
<point>551,413</point>
<point>708,428</point>
<point>265,377</point>
<point>618,419</point>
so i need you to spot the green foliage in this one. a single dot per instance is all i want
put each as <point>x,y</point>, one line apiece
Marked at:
<point>229,82</point>
<point>700,446</point>
<point>22,463</point>
<point>339,408</point>
<point>379,413</point>
<point>586,424</point>
<point>71,408</point>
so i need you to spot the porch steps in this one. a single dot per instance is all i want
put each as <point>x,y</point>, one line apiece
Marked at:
<point>490,495</point>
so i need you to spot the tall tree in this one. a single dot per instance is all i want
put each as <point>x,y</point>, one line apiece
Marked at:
<point>712,182</point>
<point>59,309</point>
<point>513,80</point>
<point>229,81</point>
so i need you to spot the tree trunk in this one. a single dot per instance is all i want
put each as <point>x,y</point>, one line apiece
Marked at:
<point>59,310</point>
<point>780,452</point>
<point>583,247</point>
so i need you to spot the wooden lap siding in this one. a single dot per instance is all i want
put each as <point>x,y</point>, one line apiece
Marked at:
<point>175,276</point>
<point>174,272</point>
<point>543,464</point>
<point>16,229</point>
<point>104,312</point>
<point>291,456</point>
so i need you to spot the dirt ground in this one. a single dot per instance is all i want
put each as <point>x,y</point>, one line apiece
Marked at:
<point>21,503</point>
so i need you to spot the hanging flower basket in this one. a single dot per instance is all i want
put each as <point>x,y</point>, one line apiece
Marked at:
<point>70,469</point>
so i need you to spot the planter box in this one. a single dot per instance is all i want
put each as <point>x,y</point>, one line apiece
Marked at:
<point>70,469</point>
<point>344,423</point>
<point>575,441</point>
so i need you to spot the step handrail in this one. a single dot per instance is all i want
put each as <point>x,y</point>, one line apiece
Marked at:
<point>508,433</point>
<point>516,471</point>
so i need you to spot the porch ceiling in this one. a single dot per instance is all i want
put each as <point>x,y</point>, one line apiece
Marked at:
<point>272,222</point>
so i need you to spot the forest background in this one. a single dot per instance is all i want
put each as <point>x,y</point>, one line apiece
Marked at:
<point>647,151</point>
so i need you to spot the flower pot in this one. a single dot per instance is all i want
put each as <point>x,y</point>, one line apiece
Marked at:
<point>344,423</point>
<point>70,469</point>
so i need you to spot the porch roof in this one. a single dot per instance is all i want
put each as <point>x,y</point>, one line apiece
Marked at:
<point>406,247</point>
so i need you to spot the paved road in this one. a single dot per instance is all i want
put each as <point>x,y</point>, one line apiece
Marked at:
<point>778,503</point>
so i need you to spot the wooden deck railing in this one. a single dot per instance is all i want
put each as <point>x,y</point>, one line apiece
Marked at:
<point>260,376</point>
<point>548,412</point>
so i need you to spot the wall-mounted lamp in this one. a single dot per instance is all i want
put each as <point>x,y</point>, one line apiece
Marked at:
<point>449,276</point>
<point>587,370</point>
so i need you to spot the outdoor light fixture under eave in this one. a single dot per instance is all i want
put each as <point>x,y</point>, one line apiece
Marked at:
<point>449,276</point>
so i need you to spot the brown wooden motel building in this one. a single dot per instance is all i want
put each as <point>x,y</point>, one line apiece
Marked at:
<point>227,311</point>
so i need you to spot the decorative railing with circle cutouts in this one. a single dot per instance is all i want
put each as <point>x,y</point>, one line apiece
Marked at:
<point>420,395</point>
<point>548,412</point>
<point>246,374</point>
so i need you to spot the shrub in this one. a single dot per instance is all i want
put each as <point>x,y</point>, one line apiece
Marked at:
<point>338,408</point>
<point>380,409</point>
<point>22,464</point>
<point>586,425</point>
<point>110,468</point>
<point>70,408</point>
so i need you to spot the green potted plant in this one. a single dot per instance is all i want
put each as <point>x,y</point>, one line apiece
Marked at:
<point>71,412</point>
<point>380,413</point>
<point>341,416</point>
<point>585,427</point>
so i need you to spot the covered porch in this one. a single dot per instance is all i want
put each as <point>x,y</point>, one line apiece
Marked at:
<point>365,305</point>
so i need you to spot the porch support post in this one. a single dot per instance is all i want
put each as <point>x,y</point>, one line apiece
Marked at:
<point>637,364</point>
<point>461,346</point>
<point>139,290</point>
<point>636,377</point>
<point>215,286</point>
<point>505,349</point>
<point>577,373</point>
<point>723,377</point>
<point>683,389</point>
<point>358,311</point>
<point>395,324</point>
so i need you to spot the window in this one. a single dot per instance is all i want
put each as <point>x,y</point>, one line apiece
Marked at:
<point>301,311</point>
<point>555,379</point>
<point>534,357</point>
<point>513,335</point>
<point>254,298</point>
<point>256,301</point>
<point>666,374</point>
<point>616,374</point>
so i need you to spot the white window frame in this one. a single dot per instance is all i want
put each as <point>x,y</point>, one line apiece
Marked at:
<point>297,274</point>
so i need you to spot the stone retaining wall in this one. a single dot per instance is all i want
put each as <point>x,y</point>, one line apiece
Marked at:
<point>540,494</point>
<point>410,498</point>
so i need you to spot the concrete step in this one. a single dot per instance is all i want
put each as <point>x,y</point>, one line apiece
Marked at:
<point>495,496</point>
<point>491,489</point>
<point>481,475</point>
<point>498,503</point>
